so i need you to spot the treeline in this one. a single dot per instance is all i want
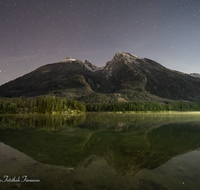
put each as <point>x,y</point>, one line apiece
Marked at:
<point>56,104</point>
<point>39,104</point>
<point>143,106</point>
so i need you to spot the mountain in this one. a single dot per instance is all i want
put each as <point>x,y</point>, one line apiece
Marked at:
<point>124,78</point>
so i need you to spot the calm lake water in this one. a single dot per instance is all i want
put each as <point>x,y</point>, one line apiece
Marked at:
<point>100,151</point>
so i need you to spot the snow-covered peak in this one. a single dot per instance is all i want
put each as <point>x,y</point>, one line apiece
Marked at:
<point>68,59</point>
<point>126,55</point>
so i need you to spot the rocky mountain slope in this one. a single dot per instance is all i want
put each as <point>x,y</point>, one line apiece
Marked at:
<point>124,78</point>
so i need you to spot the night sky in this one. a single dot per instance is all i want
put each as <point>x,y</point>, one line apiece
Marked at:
<point>37,32</point>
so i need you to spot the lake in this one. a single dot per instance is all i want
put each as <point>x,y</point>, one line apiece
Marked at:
<point>100,151</point>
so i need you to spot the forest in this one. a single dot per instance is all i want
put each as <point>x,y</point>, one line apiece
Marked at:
<point>40,104</point>
<point>143,106</point>
<point>51,105</point>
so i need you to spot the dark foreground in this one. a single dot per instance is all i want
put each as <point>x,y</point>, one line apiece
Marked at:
<point>100,151</point>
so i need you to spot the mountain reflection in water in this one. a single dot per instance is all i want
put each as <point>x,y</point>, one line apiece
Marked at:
<point>128,143</point>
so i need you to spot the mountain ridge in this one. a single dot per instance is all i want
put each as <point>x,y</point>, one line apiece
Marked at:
<point>126,77</point>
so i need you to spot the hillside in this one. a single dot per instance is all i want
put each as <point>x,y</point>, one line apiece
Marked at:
<point>124,78</point>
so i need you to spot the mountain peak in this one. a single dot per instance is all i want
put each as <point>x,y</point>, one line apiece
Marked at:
<point>119,56</point>
<point>68,59</point>
<point>125,55</point>
<point>90,66</point>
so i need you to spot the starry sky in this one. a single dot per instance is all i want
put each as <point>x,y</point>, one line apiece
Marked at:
<point>37,32</point>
